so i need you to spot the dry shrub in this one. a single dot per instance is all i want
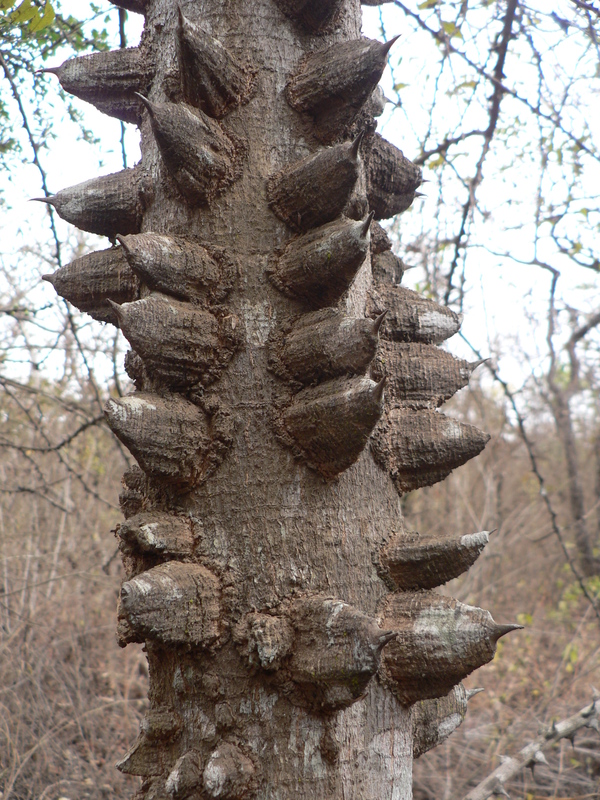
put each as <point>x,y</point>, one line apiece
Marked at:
<point>70,700</point>
<point>545,672</point>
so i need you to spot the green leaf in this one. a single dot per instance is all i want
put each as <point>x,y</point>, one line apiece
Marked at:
<point>6,4</point>
<point>398,86</point>
<point>451,30</point>
<point>47,18</point>
<point>433,163</point>
<point>429,4</point>
<point>23,13</point>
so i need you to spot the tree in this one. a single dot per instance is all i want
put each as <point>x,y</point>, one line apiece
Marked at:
<point>288,618</point>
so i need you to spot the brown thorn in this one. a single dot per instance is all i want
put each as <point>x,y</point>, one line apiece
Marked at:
<point>377,322</point>
<point>378,390</point>
<point>50,200</point>
<point>49,278</point>
<point>367,224</point>
<point>145,101</point>
<point>51,70</point>
<point>420,194</point>
<point>474,364</point>
<point>385,638</point>
<point>121,240</point>
<point>356,145</point>
<point>116,308</point>
<point>387,46</point>
<point>502,630</point>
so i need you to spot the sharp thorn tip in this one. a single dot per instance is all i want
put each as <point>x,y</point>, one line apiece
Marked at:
<point>378,390</point>
<point>474,364</point>
<point>377,321</point>
<point>387,46</point>
<point>367,224</point>
<point>145,101</point>
<point>356,145</point>
<point>502,630</point>
<point>472,692</point>
<point>386,637</point>
<point>49,200</point>
<point>115,307</point>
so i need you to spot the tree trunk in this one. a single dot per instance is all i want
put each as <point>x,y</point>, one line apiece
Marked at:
<point>269,573</point>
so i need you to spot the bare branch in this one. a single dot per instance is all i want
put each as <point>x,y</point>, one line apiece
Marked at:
<point>532,753</point>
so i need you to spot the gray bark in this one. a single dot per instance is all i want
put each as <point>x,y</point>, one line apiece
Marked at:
<point>257,522</point>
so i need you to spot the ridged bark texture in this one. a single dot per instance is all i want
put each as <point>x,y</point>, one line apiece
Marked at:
<point>263,533</point>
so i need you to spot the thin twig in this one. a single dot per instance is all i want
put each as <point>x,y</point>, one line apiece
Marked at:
<point>540,478</point>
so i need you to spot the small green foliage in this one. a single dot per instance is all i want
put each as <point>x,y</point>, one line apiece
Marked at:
<point>27,16</point>
<point>452,30</point>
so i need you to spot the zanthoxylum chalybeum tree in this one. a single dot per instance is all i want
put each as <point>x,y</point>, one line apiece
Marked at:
<point>286,396</point>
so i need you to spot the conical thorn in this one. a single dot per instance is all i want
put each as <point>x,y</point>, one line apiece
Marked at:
<point>571,738</point>
<point>472,692</point>
<point>499,789</point>
<point>356,145</point>
<point>121,240</point>
<point>540,758</point>
<point>52,70</point>
<point>367,224</point>
<point>145,101</point>
<point>377,322</point>
<point>502,630</point>
<point>378,390</point>
<point>589,711</point>
<point>386,636</point>
<point>116,308</point>
<point>387,46</point>
<point>474,364</point>
<point>420,194</point>
<point>49,200</point>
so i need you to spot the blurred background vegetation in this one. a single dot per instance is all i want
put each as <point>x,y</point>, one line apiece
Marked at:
<point>497,99</point>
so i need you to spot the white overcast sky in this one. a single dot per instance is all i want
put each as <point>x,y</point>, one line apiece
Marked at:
<point>501,294</point>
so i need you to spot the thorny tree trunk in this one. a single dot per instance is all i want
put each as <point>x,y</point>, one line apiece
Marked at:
<point>269,573</point>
